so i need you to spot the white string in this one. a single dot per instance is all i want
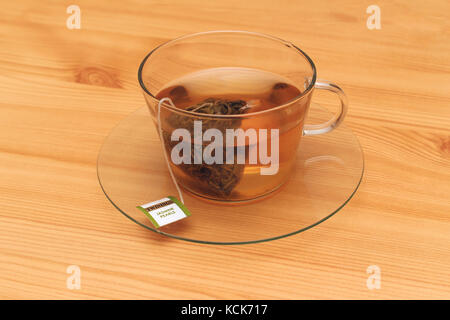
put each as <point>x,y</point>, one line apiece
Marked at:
<point>168,100</point>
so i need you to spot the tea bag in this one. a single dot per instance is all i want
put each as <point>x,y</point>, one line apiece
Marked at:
<point>220,179</point>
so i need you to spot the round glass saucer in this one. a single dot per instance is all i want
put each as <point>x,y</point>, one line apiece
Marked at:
<point>132,171</point>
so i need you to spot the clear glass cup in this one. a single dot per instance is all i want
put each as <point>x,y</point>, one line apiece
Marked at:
<point>235,182</point>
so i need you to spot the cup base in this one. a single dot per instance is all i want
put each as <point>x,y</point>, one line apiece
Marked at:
<point>234,202</point>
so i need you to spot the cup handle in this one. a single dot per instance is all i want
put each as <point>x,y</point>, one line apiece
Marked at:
<point>333,123</point>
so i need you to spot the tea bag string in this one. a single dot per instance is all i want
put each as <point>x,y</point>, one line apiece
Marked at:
<point>169,101</point>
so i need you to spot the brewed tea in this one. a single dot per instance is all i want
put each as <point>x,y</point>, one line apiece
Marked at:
<point>236,92</point>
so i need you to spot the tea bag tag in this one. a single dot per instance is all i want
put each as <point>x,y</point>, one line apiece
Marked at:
<point>164,211</point>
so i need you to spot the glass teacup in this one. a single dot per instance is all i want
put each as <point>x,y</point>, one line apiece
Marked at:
<point>231,109</point>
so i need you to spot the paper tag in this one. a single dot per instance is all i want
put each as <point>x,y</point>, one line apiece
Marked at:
<point>164,211</point>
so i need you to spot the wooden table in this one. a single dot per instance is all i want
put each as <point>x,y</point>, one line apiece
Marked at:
<point>62,91</point>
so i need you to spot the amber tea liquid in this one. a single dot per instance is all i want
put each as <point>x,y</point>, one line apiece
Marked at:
<point>262,91</point>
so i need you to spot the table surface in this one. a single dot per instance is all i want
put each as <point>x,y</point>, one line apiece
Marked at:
<point>62,91</point>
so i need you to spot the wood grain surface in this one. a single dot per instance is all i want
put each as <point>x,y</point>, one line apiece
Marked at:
<point>62,91</point>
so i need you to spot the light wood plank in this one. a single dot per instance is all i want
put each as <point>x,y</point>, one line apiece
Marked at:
<point>62,91</point>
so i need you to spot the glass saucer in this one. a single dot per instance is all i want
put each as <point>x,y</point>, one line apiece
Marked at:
<point>132,171</point>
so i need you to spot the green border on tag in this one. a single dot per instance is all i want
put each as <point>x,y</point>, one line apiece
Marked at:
<point>150,216</point>
<point>180,205</point>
